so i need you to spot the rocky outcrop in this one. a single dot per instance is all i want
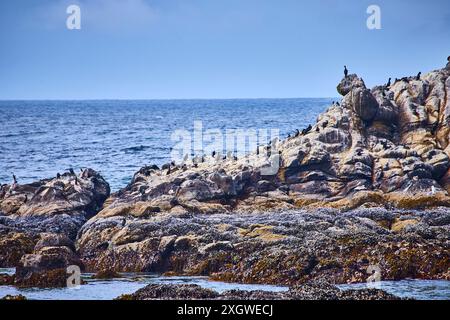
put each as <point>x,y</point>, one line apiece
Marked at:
<point>239,220</point>
<point>40,221</point>
<point>274,247</point>
<point>310,291</point>
<point>387,146</point>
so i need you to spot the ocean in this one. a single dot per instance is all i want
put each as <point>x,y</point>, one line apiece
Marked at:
<point>38,139</point>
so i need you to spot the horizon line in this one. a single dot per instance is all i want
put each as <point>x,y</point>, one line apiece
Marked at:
<point>162,99</point>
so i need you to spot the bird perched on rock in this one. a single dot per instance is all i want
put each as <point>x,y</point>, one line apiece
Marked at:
<point>124,222</point>
<point>306,130</point>
<point>71,171</point>
<point>338,104</point>
<point>405,79</point>
<point>345,71</point>
<point>325,124</point>
<point>418,76</point>
<point>297,133</point>
<point>168,171</point>
<point>58,176</point>
<point>388,84</point>
<point>14,179</point>
<point>213,154</point>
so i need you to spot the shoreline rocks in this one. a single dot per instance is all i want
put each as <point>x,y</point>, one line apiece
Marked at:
<point>342,199</point>
<point>39,223</point>
<point>310,291</point>
<point>288,247</point>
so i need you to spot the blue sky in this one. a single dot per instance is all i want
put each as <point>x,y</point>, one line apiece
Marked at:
<point>160,49</point>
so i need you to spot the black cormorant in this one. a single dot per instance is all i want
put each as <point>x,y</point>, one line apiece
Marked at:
<point>418,76</point>
<point>388,84</point>
<point>345,71</point>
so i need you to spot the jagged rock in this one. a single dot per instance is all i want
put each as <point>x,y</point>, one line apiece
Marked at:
<point>387,147</point>
<point>352,81</point>
<point>43,218</point>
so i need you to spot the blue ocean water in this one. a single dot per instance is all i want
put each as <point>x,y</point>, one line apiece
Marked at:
<point>38,139</point>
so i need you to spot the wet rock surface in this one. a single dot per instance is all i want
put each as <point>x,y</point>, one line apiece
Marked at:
<point>275,247</point>
<point>310,291</point>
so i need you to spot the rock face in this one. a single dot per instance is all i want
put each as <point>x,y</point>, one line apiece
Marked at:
<point>39,221</point>
<point>331,203</point>
<point>310,291</point>
<point>286,247</point>
<point>384,147</point>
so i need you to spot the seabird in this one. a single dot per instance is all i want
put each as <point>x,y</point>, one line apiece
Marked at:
<point>257,150</point>
<point>58,176</point>
<point>388,84</point>
<point>325,124</point>
<point>213,154</point>
<point>124,221</point>
<point>317,129</point>
<point>289,136</point>
<point>297,133</point>
<point>418,76</point>
<point>14,179</point>
<point>168,171</point>
<point>345,71</point>
<point>306,130</point>
<point>338,104</point>
<point>71,171</point>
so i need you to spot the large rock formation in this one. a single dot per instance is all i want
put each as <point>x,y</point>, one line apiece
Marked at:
<point>39,221</point>
<point>388,146</point>
<point>274,247</point>
<point>384,147</point>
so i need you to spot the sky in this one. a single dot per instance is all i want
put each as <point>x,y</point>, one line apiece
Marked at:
<point>187,49</point>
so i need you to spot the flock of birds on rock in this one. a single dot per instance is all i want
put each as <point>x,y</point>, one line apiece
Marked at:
<point>215,155</point>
